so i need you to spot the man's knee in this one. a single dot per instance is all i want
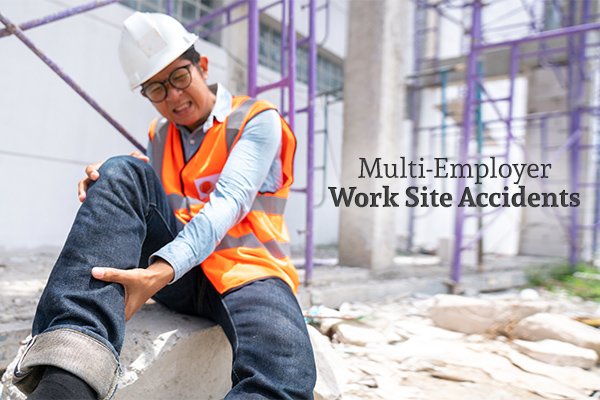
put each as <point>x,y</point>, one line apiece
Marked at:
<point>118,165</point>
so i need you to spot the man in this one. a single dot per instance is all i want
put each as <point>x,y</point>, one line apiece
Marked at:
<point>197,225</point>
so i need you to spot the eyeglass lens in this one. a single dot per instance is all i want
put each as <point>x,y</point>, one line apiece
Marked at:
<point>179,79</point>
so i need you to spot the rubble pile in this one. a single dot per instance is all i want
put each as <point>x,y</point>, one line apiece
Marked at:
<point>494,347</point>
<point>515,345</point>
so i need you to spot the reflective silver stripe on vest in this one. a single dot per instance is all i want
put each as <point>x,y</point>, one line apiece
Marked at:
<point>158,145</point>
<point>234,122</point>
<point>269,204</point>
<point>277,250</point>
<point>178,201</point>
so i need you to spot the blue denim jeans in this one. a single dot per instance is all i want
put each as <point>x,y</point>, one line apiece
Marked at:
<point>80,324</point>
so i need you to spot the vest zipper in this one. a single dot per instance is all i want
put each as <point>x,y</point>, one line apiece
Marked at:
<point>185,163</point>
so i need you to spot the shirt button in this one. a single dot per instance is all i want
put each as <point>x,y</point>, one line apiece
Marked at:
<point>192,141</point>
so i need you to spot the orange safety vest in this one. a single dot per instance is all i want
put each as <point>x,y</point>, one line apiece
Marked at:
<point>258,246</point>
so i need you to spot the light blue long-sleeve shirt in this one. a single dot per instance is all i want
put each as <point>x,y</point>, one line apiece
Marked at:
<point>253,165</point>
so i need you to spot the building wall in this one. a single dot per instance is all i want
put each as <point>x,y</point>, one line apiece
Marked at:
<point>545,231</point>
<point>50,133</point>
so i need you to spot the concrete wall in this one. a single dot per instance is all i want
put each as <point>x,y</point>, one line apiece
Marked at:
<point>42,117</point>
<point>371,121</point>
<point>545,231</point>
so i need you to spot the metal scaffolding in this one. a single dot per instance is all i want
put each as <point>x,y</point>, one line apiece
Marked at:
<point>224,15</point>
<point>564,44</point>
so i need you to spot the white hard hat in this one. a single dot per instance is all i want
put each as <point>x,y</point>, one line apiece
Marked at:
<point>150,42</point>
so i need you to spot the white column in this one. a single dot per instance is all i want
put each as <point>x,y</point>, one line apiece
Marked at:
<point>373,112</point>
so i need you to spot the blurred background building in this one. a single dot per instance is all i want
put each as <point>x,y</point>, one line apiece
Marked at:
<point>515,79</point>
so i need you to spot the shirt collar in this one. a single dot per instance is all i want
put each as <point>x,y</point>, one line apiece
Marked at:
<point>220,111</point>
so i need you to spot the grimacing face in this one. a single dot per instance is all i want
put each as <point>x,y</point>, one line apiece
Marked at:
<point>190,106</point>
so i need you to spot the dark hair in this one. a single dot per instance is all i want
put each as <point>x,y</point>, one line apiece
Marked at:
<point>192,55</point>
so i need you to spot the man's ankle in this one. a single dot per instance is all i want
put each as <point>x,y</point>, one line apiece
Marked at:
<point>58,384</point>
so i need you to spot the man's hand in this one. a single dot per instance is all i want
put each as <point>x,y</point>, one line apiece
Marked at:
<point>92,174</point>
<point>140,284</point>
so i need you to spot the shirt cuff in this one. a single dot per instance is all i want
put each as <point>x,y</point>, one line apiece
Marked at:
<point>178,255</point>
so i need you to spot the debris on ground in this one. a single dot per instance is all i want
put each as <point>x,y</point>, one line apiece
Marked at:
<point>456,347</point>
<point>529,344</point>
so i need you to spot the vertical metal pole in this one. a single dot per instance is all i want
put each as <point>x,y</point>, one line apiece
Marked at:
<point>596,219</point>
<point>291,65</point>
<point>596,137</point>
<point>514,69</point>
<point>252,46</point>
<point>282,61</point>
<point>574,93</point>
<point>420,23</point>
<point>438,37</point>
<point>585,12</point>
<point>544,139</point>
<point>310,156</point>
<point>169,7</point>
<point>444,101</point>
<point>471,81</point>
<point>479,137</point>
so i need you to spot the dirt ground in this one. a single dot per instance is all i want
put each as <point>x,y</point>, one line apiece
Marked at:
<point>399,353</point>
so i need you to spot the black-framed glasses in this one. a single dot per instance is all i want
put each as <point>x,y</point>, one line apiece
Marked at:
<point>180,78</point>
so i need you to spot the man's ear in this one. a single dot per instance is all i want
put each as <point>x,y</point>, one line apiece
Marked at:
<point>203,64</point>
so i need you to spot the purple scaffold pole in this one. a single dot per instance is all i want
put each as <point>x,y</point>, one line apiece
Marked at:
<point>21,36</point>
<point>573,132</point>
<point>226,11</point>
<point>514,70</point>
<point>291,67</point>
<point>310,157</point>
<point>577,46</point>
<point>252,47</point>
<point>572,30</point>
<point>58,16</point>
<point>282,61</point>
<point>169,7</point>
<point>471,82</point>
<point>214,14</point>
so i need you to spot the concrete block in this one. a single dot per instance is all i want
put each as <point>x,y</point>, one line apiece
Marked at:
<point>329,379</point>
<point>356,333</point>
<point>558,327</point>
<point>558,353</point>
<point>470,315</point>
<point>172,356</point>
<point>166,356</point>
<point>11,335</point>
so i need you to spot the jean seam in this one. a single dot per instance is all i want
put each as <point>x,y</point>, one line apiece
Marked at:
<point>163,220</point>
<point>235,335</point>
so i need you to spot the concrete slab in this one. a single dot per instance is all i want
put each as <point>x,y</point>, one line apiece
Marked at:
<point>11,335</point>
<point>165,355</point>
<point>172,356</point>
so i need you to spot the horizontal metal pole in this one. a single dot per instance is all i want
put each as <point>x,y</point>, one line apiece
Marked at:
<point>280,83</point>
<point>225,10</point>
<point>67,79</point>
<point>58,16</point>
<point>572,30</point>
<point>212,15</point>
